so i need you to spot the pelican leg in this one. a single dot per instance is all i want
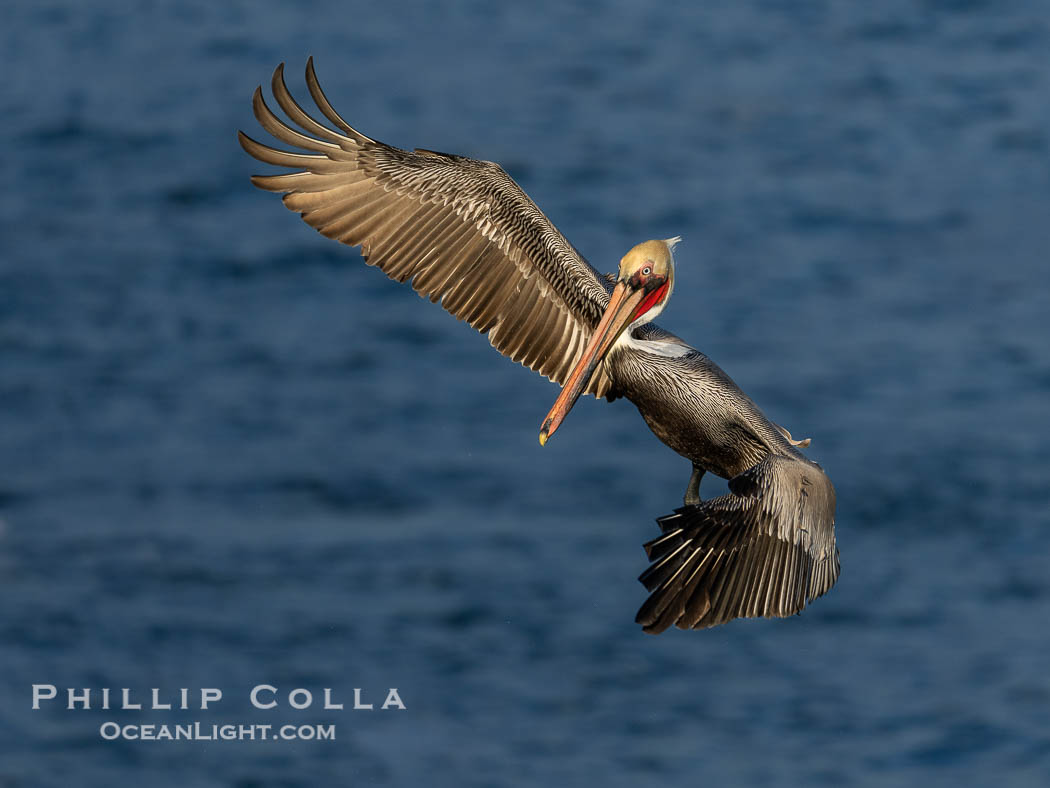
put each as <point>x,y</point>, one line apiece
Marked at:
<point>692,491</point>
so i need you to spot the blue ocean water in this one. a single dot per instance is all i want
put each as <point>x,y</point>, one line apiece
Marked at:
<point>231,454</point>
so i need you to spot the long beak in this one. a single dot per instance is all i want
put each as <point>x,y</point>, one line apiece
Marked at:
<point>618,315</point>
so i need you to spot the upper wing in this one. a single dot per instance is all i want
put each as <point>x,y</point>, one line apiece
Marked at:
<point>462,230</point>
<point>767,549</point>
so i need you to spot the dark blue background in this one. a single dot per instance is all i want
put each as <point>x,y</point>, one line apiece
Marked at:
<point>231,454</point>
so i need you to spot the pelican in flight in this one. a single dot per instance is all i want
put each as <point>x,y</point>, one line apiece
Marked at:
<point>466,236</point>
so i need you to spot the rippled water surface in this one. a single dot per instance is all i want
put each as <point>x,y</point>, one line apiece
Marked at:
<point>234,455</point>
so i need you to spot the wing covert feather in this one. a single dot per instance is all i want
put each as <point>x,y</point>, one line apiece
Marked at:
<point>461,230</point>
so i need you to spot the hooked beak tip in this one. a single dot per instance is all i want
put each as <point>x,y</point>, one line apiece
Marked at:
<point>545,432</point>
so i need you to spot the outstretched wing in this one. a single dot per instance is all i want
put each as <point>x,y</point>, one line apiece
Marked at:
<point>462,230</point>
<point>766,549</point>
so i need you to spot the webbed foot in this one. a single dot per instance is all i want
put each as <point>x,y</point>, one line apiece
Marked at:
<point>692,491</point>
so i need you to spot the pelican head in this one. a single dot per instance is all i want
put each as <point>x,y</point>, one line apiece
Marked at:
<point>649,268</point>
<point>643,286</point>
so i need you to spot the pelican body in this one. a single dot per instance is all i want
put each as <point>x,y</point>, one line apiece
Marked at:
<point>467,236</point>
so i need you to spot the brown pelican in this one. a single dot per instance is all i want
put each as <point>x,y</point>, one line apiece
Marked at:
<point>467,236</point>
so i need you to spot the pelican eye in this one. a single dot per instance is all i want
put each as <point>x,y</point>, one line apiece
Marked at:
<point>647,270</point>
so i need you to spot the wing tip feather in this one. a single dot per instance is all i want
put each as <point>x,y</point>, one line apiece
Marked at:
<point>760,568</point>
<point>320,162</point>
